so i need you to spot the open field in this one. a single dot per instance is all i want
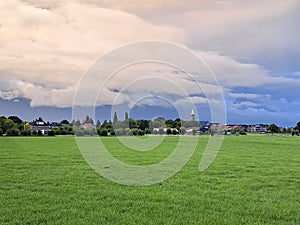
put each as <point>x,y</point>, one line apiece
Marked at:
<point>254,180</point>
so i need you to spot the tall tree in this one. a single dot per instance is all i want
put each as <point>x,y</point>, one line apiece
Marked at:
<point>126,116</point>
<point>65,122</point>
<point>98,124</point>
<point>115,120</point>
<point>273,128</point>
<point>16,119</point>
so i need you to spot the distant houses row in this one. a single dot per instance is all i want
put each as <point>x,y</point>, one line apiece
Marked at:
<point>39,125</point>
<point>255,128</point>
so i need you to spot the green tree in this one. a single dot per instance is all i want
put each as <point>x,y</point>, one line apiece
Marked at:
<point>51,133</point>
<point>273,128</point>
<point>132,123</point>
<point>103,132</point>
<point>65,122</point>
<point>27,126</point>
<point>298,126</point>
<point>242,132</point>
<point>98,124</point>
<point>26,133</point>
<point>15,119</point>
<point>8,124</point>
<point>115,120</point>
<point>142,124</point>
<point>13,132</point>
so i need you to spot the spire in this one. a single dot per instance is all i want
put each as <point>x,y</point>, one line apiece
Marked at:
<point>192,118</point>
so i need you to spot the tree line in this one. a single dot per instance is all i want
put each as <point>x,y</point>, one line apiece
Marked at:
<point>14,126</point>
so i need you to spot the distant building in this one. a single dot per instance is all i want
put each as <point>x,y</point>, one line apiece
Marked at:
<point>39,125</point>
<point>259,128</point>
<point>192,117</point>
<point>88,126</point>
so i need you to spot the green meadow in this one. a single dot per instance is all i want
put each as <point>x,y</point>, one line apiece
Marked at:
<point>255,179</point>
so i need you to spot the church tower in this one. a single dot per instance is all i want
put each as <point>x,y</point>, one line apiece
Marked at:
<point>192,118</point>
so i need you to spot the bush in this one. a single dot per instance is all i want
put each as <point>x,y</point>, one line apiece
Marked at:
<point>141,132</point>
<point>26,133</point>
<point>1,132</point>
<point>103,132</point>
<point>147,131</point>
<point>56,131</point>
<point>39,133</point>
<point>242,132</point>
<point>51,133</point>
<point>134,131</point>
<point>90,132</point>
<point>169,131</point>
<point>12,132</point>
<point>120,132</point>
<point>79,132</point>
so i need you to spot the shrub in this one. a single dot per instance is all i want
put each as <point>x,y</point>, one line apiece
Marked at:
<point>147,131</point>
<point>12,132</point>
<point>134,131</point>
<point>141,132</point>
<point>79,132</point>
<point>103,132</point>
<point>242,132</point>
<point>1,132</point>
<point>56,131</point>
<point>26,133</point>
<point>169,131</point>
<point>120,132</point>
<point>51,133</point>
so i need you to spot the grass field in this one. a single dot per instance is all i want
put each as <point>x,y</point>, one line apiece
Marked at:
<point>254,180</point>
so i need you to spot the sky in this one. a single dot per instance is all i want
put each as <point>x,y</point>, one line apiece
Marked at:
<point>251,47</point>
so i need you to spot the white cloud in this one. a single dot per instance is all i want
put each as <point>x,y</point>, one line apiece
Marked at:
<point>46,46</point>
<point>53,47</point>
<point>249,96</point>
